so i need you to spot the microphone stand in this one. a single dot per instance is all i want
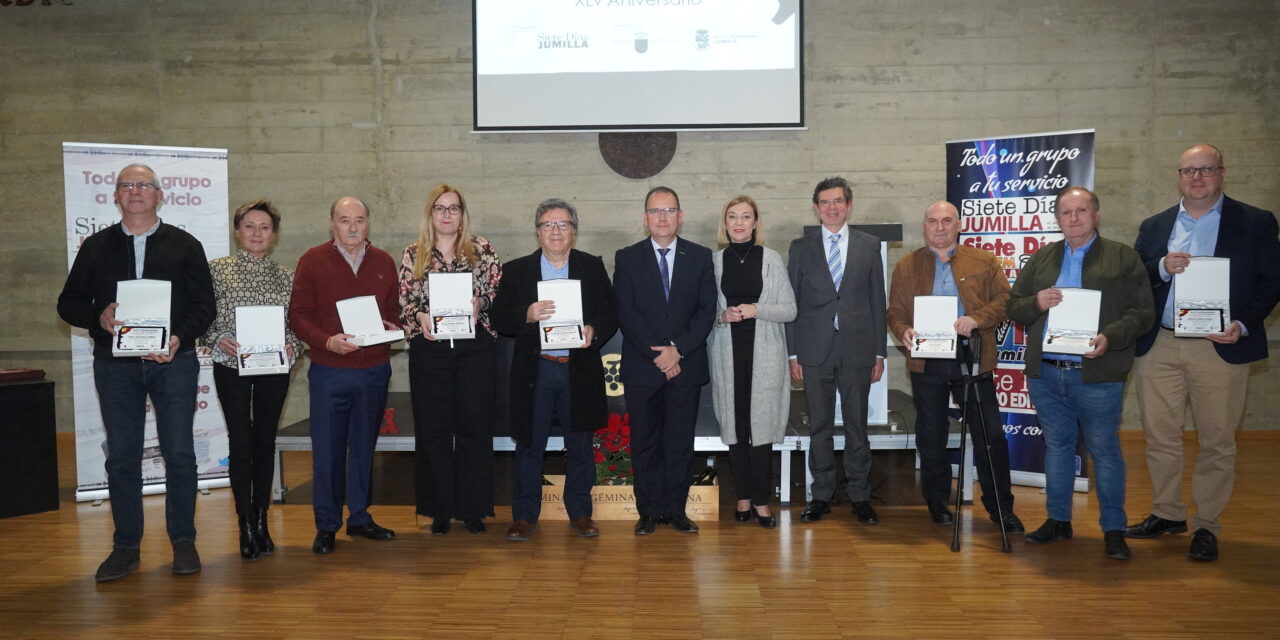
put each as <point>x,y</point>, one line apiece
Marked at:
<point>970,366</point>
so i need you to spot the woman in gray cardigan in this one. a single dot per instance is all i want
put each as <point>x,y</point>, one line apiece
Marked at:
<point>748,347</point>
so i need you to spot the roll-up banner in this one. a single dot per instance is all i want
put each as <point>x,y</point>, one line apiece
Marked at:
<point>194,182</point>
<point>1004,189</point>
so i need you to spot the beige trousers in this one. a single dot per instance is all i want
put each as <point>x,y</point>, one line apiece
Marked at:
<point>1174,370</point>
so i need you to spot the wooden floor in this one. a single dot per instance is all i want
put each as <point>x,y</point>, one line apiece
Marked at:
<point>833,579</point>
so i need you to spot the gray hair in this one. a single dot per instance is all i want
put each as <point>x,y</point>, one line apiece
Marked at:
<point>138,165</point>
<point>554,203</point>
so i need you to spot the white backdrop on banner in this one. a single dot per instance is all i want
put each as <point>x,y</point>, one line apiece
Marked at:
<point>194,182</point>
<point>1004,188</point>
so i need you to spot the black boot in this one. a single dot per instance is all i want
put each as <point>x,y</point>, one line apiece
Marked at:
<point>248,541</point>
<point>260,533</point>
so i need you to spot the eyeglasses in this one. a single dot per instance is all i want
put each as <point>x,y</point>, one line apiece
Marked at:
<point>563,225</point>
<point>140,186</point>
<point>441,210</point>
<point>1208,172</point>
<point>839,202</point>
<point>662,212</point>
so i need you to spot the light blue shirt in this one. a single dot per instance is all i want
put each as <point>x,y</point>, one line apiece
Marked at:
<point>1196,237</point>
<point>944,282</point>
<point>552,272</point>
<point>140,246</point>
<point>1071,276</point>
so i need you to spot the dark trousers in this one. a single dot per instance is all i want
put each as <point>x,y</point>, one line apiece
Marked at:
<point>941,380</point>
<point>346,411</point>
<point>821,384</point>
<point>124,385</point>
<point>453,391</point>
<point>662,421</point>
<point>251,406</point>
<point>551,399</point>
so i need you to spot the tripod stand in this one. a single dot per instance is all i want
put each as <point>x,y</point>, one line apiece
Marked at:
<point>970,365</point>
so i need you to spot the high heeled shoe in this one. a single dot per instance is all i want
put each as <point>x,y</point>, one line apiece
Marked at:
<point>260,533</point>
<point>742,516</point>
<point>248,543</point>
<point>768,522</point>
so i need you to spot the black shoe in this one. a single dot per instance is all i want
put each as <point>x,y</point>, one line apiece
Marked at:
<point>683,524</point>
<point>440,526</point>
<point>186,560</point>
<point>1154,526</point>
<point>742,516</point>
<point>867,515</point>
<point>1049,531</point>
<point>646,525</point>
<point>1117,548</point>
<point>260,533</point>
<point>475,526</point>
<point>1204,546</point>
<point>940,514</point>
<point>371,530</point>
<point>248,541</point>
<point>324,542</point>
<point>815,510</point>
<point>1012,524</point>
<point>768,522</point>
<point>119,564</point>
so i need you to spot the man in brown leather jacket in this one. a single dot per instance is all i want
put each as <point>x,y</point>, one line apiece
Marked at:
<point>944,268</point>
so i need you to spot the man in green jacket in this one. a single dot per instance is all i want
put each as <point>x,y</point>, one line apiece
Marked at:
<point>1082,393</point>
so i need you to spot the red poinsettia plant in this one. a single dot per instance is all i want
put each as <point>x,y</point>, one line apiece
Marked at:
<point>613,451</point>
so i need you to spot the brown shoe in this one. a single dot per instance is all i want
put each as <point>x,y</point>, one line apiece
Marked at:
<point>520,530</point>
<point>585,527</point>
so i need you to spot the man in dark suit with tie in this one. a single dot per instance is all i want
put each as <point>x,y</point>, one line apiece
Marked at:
<point>1212,371</point>
<point>666,301</point>
<point>837,344</point>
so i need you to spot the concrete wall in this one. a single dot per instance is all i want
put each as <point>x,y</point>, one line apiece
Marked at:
<point>325,98</point>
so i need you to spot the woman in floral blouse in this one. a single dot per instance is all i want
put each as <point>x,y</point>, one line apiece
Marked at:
<point>452,382</point>
<point>250,404</point>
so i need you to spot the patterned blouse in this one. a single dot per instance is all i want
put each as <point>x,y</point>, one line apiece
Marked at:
<point>415,297</point>
<point>241,280</point>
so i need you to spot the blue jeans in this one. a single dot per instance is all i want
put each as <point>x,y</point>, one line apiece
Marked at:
<point>551,398</point>
<point>1068,406</point>
<point>346,412</point>
<point>123,386</point>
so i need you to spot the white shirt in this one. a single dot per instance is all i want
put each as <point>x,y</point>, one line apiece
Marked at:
<point>671,255</point>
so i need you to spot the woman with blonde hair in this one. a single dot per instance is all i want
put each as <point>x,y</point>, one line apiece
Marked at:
<point>451,382</point>
<point>748,346</point>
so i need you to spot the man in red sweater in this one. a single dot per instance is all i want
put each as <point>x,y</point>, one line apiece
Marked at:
<point>348,383</point>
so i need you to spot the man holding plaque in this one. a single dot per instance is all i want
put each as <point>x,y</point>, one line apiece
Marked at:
<point>565,383</point>
<point>140,246</point>
<point>348,383</point>
<point>974,278</point>
<point>1082,393</point>
<point>1212,371</point>
<point>666,299</point>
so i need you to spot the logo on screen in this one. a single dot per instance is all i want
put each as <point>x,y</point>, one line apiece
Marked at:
<point>702,39</point>
<point>562,41</point>
<point>642,42</point>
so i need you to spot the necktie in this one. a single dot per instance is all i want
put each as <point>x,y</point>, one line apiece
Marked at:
<point>666,273</point>
<point>835,263</point>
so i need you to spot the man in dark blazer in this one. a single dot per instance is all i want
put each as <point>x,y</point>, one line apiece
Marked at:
<point>666,297</point>
<point>837,343</point>
<point>1214,371</point>
<point>566,383</point>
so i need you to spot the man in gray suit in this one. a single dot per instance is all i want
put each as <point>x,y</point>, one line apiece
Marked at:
<point>837,343</point>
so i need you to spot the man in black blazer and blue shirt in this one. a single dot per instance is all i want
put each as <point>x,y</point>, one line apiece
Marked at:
<point>565,383</point>
<point>666,300</point>
<point>1212,371</point>
<point>837,343</point>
